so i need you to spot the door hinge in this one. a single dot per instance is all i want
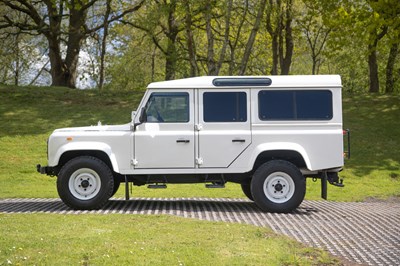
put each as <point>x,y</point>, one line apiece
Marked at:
<point>198,127</point>
<point>199,161</point>
<point>134,162</point>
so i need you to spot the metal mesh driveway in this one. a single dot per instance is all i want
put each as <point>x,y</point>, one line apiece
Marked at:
<point>361,232</point>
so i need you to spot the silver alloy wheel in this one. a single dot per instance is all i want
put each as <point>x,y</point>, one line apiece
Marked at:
<point>279,187</point>
<point>84,184</point>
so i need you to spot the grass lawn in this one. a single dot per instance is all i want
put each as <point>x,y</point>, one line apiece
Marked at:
<point>53,239</point>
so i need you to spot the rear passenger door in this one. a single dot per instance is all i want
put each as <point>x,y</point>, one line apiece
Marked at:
<point>223,127</point>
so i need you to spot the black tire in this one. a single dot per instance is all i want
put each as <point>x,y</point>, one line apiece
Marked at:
<point>85,183</point>
<point>278,186</point>
<point>246,188</point>
<point>117,183</point>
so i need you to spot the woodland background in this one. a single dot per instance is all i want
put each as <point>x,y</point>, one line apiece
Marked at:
<point>124,45</point>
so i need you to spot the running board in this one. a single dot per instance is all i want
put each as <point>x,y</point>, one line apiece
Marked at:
<point>157,186</point>
<point>215,185</point>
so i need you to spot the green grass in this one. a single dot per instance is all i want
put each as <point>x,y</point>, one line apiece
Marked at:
<point>54,239</point>
<point>29,114</point>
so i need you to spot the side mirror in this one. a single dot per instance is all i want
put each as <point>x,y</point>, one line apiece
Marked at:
<point>133,115</point>
<point>143,115</point>
<point>142,118</point>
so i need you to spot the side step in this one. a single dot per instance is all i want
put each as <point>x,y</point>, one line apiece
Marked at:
<point>157,186</point>
<point>215,185</point>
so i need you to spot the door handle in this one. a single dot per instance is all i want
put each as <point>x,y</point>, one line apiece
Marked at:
<point>182,141</point>
<point>239,140</point>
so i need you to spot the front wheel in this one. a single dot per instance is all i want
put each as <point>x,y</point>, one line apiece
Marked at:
<point>85,183</point>
<point>278,186</point>
<point>246,188</point>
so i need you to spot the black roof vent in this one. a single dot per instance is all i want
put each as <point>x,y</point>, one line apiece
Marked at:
<point>223,82</point>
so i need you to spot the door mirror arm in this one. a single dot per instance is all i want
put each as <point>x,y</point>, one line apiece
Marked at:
<point>142,118</point>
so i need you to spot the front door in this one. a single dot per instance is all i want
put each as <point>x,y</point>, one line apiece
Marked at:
<point>166,139</point>
<point>224,126</point>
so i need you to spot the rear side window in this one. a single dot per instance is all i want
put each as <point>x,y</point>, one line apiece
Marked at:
<point>224,107</point>
<point>295,105</point>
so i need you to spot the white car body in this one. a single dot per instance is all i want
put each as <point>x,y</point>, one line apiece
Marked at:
<point>152,147</point>
<point>195,146</point>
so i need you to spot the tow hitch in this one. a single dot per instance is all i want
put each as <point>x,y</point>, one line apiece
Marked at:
<point>333,179</point>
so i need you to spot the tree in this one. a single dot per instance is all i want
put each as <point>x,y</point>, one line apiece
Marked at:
<point>162,25</point>
<point>252,37</point>
<point>375,34</point>
<point>104,43</point>
<point>390,14</point>
<point>214,61</point>
<point>65,26</point>
<point>279,18</point>
<point>18,53</point>
<point>315,31</point>
<point>393,53</point>
<point>194,69</point>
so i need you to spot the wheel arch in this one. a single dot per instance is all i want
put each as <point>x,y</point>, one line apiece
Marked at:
<point>98,150</point>
<point>290,152</point>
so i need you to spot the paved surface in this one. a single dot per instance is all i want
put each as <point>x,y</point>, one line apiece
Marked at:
<point>365,233</point>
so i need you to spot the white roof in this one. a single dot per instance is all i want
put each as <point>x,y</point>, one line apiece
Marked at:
<point>277,81</point>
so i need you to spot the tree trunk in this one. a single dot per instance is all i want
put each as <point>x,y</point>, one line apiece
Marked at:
<point>58,66</point>
<point>190,41</point>
<point>104,44</point>
<point>275,55</point>
<point>373,69</point>
<point>17,60</point>
<point>170,61</point>
<point>287,59</point>
<point>233,45</point>
<point>64,72</point>
<point>372,59</point>
<point>394,50</point>
<point>172,33</point>
<point>211,67</point>
<point>274,33</point>
<point>226,36</point>
<point>153,63</point>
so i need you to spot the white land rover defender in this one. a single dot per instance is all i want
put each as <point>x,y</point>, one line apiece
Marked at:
<point>266,133</point>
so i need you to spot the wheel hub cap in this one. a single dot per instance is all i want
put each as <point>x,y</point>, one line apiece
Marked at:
<point>84,184</point>
<point>279,187</point>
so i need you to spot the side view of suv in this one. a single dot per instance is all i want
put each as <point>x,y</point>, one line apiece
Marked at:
<point>266,133</point>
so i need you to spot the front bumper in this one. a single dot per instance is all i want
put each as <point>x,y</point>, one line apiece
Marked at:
<point>45,170</point>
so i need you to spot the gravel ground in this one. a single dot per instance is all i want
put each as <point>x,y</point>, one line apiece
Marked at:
<point>361,232</point>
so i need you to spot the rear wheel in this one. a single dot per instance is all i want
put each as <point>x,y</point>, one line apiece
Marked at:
<point>85,183</point>
<point>278,186</point>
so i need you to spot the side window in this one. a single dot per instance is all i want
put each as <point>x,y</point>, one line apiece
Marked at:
<point>168,107</point>
<point>224,107</point>
<point>295,105</point>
